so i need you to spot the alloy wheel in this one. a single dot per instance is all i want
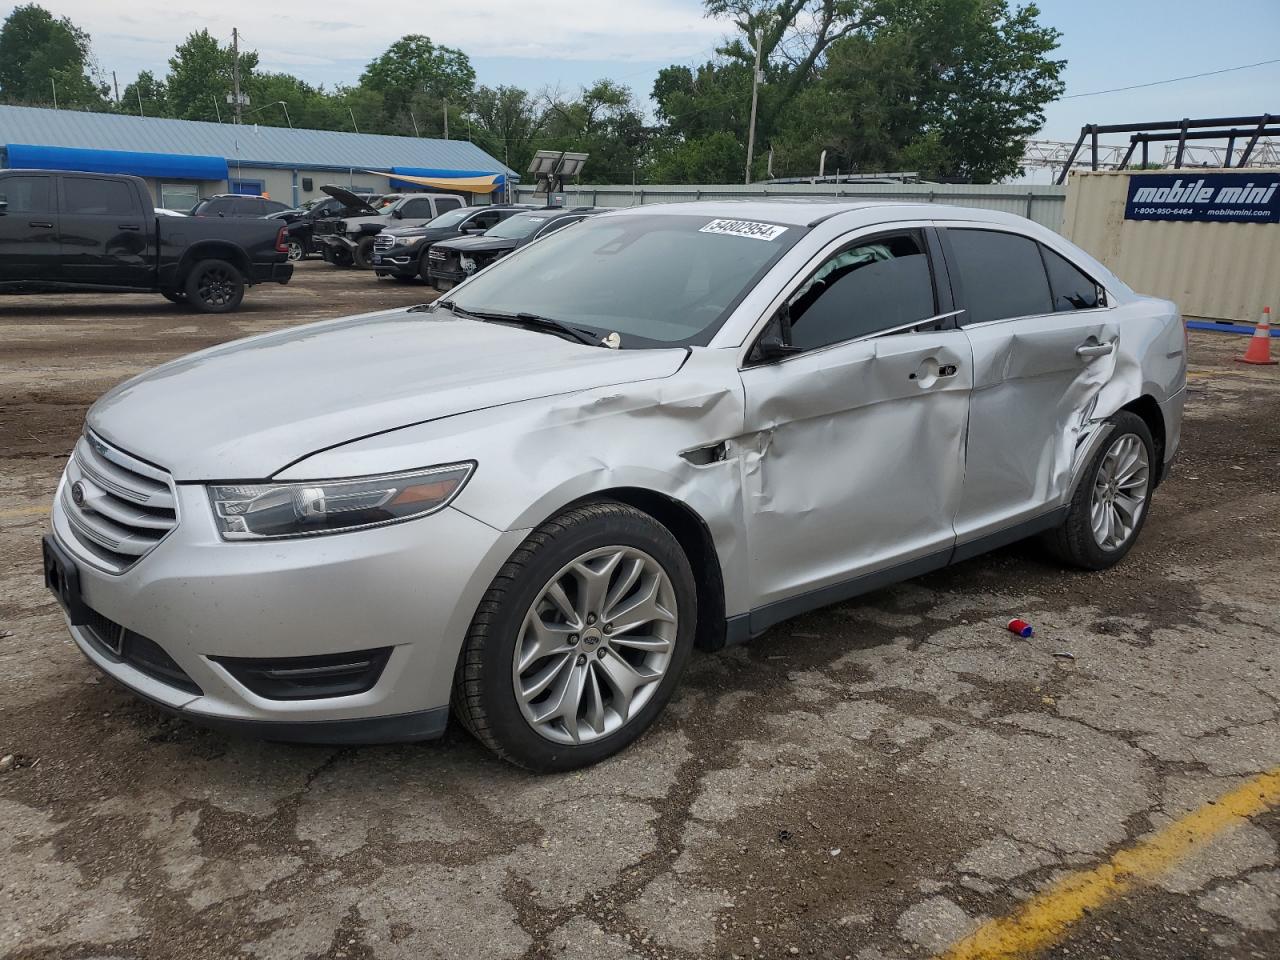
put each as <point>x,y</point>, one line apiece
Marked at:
<point>595,644</point>
<point>217,286</point>
<point>1119,492</point>
<point>295,251</point>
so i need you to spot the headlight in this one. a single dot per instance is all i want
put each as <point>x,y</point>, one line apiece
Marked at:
<point>408,241</point>
<point>264,511</point>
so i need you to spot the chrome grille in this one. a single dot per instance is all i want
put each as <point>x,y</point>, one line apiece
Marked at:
<point>383,243</point>
<point>118,508</point>
<point>437,254</point>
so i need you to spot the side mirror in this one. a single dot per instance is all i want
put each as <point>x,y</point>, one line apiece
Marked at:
<point>398,214</point>
<point>775,343</point>
<point>772,347</point>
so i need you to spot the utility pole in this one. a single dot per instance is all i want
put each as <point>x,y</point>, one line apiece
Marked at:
<point>415,124</point>
<point>54,83</point>
<point>755,91</point>
<point>446,119</point>
<point>235,70</point>
<point>353,119</point>
<point>116,84</point>
<point>138,91</point>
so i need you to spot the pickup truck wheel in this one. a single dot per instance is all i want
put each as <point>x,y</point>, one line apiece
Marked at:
<point>214,286</point>
<point>363,254</point>
<point>174,296</point>
<point>296,252</point>
<point>338,256</point>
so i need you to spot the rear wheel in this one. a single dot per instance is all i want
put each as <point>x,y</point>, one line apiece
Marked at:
<point>1109,508</point>
<point>214,286</point>
<point>580,640</point>
<point>363,255</point>
<point>296,250</point>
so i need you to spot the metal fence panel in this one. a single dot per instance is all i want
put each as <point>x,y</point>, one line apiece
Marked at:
<point>1041,203</point>
<point>1224,271</point>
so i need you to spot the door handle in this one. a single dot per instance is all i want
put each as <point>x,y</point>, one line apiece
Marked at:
<point>40,223</point>
<point>132,227</point>
<point>1092,348</point>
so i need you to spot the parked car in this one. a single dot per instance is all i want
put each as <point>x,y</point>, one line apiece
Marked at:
<point>299,238</point>
<point>401,252</point>
<point>452,261</point>
<point>348,241</point>
<point>68,231</point>
<point>670,424</point>
<point>236,205</point>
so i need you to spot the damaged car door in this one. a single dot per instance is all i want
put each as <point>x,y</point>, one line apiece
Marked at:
<point>857,393</point>
<point>1044,343</point>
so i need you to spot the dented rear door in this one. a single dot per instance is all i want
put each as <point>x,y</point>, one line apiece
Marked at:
<point>1036,377</point>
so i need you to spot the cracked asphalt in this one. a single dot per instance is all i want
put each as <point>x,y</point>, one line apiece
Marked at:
<point>871,781</point>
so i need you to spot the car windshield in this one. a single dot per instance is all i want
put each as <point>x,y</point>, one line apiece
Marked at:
<point>450,219</point>
<point>655,279</point>
<point>519,227</point>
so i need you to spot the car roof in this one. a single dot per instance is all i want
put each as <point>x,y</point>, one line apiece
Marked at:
<point>808,212</point>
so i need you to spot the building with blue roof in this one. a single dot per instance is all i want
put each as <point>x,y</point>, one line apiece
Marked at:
<point>184,160</point>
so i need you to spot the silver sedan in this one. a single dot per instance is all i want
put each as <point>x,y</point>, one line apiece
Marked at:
<point>661,428</point>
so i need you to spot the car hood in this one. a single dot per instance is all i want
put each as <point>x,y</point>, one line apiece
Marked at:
<point>352,201</point>
<point>247,409</point>
<point>435,233</point>
<point>479,244</point>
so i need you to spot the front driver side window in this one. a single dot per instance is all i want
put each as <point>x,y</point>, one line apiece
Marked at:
<point>877,284</point>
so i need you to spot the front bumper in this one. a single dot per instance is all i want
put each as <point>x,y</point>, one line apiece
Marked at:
<point>443,278</point>
<point>271,272</point>
<point>396,262</point>
<point>198,597</point>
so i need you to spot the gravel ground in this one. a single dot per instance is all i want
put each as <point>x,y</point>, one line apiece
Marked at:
<point>871,780</point>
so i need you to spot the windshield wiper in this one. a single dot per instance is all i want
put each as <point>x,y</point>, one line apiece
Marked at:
<point>528,321</point>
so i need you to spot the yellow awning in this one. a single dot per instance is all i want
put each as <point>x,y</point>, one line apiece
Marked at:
<point>468,184</point>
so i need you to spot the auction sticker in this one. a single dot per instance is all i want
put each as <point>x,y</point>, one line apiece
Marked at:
<point>745,228</point>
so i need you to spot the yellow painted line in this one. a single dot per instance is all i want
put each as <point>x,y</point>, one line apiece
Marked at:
<point>1046,918</point>
<point>24,512</point>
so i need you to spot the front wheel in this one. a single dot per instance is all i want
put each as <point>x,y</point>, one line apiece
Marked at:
<point>1109,508</point>
<point>363,254</point>
<point>214,286</point>
<point>580,640</point>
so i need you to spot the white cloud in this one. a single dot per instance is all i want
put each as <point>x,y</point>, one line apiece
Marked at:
<point>329,40</point>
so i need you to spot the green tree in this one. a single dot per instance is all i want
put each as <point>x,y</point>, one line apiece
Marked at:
<point>508,124</point>
<point>39,53</point>
<point>200,77</point>
<point>146,96</point>
<point>605,122</point>
<point>413,72</point>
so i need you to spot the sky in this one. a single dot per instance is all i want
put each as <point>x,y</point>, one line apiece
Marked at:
<point>560,44</point>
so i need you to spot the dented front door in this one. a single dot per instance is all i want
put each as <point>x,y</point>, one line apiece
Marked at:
<point>1035,382</point>
<point>852,459</point>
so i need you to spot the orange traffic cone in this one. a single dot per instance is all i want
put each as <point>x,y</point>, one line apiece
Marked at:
<point>1259,350</point>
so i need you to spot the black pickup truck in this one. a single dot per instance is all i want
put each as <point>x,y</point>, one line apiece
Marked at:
<point>66,231</point>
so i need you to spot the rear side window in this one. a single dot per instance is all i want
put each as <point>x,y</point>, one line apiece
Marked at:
<point>84,195</point>
<point>447,203</point>
<point>879,284</point>
<point>1001,275</point>
<point>1072,288</point>
<point>26,194</point>
<point>416,209</point>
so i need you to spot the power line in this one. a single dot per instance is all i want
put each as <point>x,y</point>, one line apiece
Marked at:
<point>1157,83</point>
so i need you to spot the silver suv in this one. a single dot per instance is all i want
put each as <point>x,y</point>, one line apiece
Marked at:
<point>663,427</point>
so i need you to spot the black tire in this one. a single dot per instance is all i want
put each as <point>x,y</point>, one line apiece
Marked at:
<point>338,256</point>
<point>175,296</point>
<point>214,286</point>
<point>483,696</point>
<point>297,251</point>
<point>363,255</point>
<point>1074,542</point>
